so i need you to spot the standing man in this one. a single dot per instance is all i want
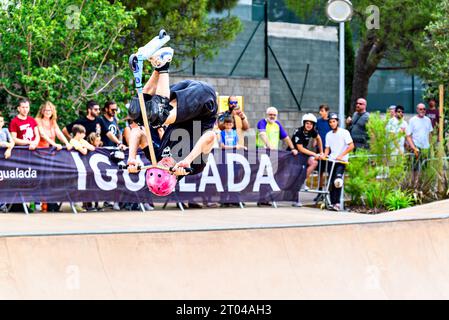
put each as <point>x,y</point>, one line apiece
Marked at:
<point>338,146</point>
<point>93,123</point>
<point>392,110</point>
<point>111,124</point>
<point>241,123</point>
<point>398,126</point>
<point>419,134</point>
<point>270,132</point>
<point>433,114</point>
<point>322,126</point>
<point>24,129</point>
<point>357,124</point>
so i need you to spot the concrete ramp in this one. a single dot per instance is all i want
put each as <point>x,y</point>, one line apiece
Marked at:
<point>392,260</point>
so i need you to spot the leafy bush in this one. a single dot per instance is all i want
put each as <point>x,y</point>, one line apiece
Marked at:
<point>398,199</point>
<point>375,173</point>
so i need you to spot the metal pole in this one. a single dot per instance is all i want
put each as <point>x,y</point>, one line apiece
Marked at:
<point>341,104</point>
<point>441,123</point>
<point>266,38</point>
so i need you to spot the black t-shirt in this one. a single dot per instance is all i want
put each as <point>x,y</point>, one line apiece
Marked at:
<point>305,138</point>
<point>111,126</point>
<point>95,125</point>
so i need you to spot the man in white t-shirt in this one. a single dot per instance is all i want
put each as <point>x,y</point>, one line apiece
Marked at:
<point>398,126</point>
<point>338,146</point>
<point>419,135</point>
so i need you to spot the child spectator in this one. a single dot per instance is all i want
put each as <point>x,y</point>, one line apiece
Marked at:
<point>95,140</point>
<point>228,136</point>
<point>6,140</point>
<point>78,142</point>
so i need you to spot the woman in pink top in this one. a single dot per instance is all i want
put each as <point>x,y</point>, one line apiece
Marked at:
<point>48,128</point>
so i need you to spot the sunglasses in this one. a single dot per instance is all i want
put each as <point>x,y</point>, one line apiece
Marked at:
<point>233,102</point>
<point>399,111</point>
<point>113,110</point>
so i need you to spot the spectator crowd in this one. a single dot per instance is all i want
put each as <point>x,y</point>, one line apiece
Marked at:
<point>320,138</point>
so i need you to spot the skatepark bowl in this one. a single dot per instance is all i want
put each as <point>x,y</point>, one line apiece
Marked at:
<point>283,253</point>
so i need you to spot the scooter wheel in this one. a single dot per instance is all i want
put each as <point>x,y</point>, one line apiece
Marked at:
<point>133,62</point>
<point>162,33</point>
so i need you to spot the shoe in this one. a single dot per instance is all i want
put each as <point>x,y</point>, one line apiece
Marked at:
<point>161,57</point>
<point>212,205</point>
<point>91,209</point>
<point>194,205</point>
<point>297,204</point>
<point>100,209</point>
<point>107,205</point>
<point>264,204</point>
<point>154,45</point>
<point>79,209</point>
<point>148,207</point>
<point>304,187</point>
<point>334,207</point>
<point>116,206</point>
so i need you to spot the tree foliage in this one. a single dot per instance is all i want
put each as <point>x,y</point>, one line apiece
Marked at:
<point>193,33</point>
<point>397,40</point>
<point>436,46</point>
<point>63,50</point>
<point>71,51</point>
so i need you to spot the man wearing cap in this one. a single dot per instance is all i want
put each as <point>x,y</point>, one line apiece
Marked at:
<point>392,110</point>
<point>241,123</point>
<point>339,144</point>
<point>270,132</point>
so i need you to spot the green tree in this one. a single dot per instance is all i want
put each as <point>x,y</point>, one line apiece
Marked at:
<point>64,51</point>
<point>397,39</point>
<point>436,47</point>
<point>193,32</point>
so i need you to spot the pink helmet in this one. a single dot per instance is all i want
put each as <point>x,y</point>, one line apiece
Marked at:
<point>160,182</point>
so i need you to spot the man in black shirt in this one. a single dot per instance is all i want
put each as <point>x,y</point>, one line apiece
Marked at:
<point>111,124</point>
<point>92,122</point>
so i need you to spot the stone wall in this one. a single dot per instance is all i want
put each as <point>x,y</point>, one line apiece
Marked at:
<point>256,95</point>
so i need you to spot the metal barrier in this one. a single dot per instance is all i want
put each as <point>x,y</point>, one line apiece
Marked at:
<point>322,172</point>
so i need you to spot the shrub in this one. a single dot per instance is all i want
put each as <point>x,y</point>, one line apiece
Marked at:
<point>398,199</point>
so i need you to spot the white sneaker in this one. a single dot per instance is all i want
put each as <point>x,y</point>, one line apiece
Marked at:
<point>148,207</point>
<point>304,187</point>
<point>151,47</point>
<point>297,204</point>
<point>116,206</point>
<point>161,57</point>
<point>335,207</point>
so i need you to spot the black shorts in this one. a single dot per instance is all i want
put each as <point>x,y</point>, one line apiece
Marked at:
<point>196,113</point>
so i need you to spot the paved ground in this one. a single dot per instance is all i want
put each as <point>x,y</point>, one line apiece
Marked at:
<point>252,253</point>
<point>172,219</point>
